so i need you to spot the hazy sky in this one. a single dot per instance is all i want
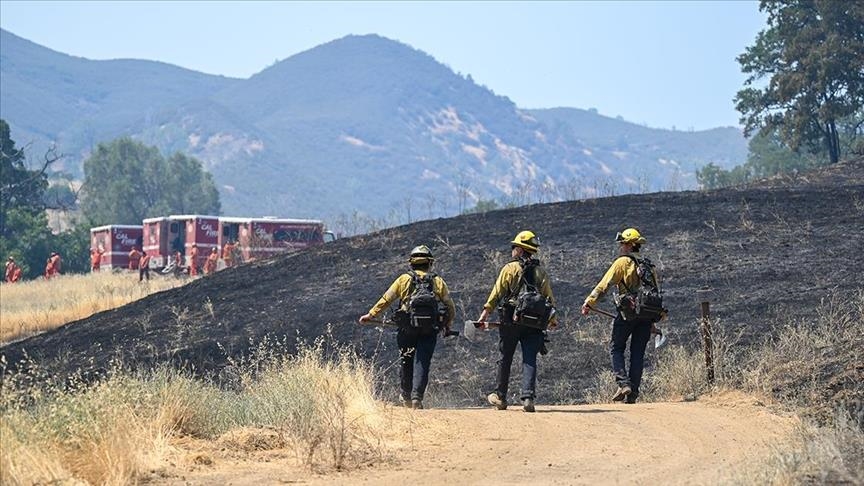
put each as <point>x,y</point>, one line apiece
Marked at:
<point>662,64</point>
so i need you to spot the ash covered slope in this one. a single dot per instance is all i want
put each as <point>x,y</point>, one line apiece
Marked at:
<point>767,253</point>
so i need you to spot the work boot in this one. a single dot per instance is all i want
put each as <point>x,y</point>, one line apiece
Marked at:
<point>494,399</point>
<point>631,398</point>
<point>417,404</point>
<point>528,405</point>
<point>622,393</point>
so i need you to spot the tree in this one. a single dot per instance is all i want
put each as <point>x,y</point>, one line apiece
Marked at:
<point>21,189</point>
<point>126,182</point>
<point>24,232</point>
<point>813,54</point>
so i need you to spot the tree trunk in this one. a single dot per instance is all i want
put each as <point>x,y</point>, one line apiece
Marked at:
<point>832,139</point>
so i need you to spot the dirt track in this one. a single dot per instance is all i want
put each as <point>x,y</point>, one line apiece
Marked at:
<point>657,443</point>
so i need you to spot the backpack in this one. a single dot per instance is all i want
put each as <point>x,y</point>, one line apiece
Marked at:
<point>423,305</point>
<point>646,301</point>
<point>531,309</point>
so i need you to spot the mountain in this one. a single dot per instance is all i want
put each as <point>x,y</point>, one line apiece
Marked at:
<point>360,124</point>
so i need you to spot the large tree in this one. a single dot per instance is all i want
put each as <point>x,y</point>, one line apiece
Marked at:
<point>24,232</point>
<point>126,181</point>
<point>812,53</point>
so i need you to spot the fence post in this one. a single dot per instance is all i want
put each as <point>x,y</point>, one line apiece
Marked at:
<point>707,340</point>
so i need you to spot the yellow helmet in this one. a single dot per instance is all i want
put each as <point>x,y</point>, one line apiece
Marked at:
<point>630,235</point>
<point>527,240</point>
<point>420,255</point>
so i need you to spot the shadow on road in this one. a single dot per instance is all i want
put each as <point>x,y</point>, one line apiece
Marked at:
<point>593,410</point>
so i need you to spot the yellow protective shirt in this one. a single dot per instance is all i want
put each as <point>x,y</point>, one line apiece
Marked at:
<point>400,290</point>
<point>622,273</point>
<point>507,285</point>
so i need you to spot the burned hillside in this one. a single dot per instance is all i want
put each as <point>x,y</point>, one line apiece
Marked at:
<point>765,254</point>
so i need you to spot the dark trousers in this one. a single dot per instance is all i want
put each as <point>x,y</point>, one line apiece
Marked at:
<point>639,332</point>
<point>144,272</point>
<point>416,348</point>
<point>532,341</point>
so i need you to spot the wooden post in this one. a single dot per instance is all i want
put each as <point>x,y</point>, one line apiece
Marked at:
<point>707,340</point>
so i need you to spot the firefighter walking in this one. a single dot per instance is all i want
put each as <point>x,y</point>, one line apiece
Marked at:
<point>623,277</point>
<point>144,267</point>
<point>419,324</point>
<point>523,270</point>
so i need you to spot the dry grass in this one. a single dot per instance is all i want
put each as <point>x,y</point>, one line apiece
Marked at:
<point>36,306</point>
<point>811,368</point>
<point>319,403</point>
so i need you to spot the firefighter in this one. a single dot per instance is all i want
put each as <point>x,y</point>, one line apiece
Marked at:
<point>416,342</point>
<point>95,259</point>
<point>507,287</point>
<point>228,253</point>
<point>193,260</point>
<point>13,271</point>
<point>623,276</point>
<point>144,267</point>
<point>52,266</point>
<point>134,258</point>
<point>212,261</point>
<point>178,263</point>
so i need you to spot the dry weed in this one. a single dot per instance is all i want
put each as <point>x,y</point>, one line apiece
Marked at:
<point>36,306</point>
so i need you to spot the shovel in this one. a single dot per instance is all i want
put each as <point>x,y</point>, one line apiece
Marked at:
<point>659,338</point>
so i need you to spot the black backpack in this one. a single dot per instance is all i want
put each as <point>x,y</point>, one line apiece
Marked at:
<point>532,309</point>
<point>423,305</point>
<point>646,301</point>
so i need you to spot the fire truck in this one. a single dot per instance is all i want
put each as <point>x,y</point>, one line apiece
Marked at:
<point>263,237</point>
<point>254,237</point>
<point>116,241</point>
<point>167,235</point>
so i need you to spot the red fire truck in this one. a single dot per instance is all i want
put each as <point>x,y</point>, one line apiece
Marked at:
<point>264,237</point>
<point>165,236</point>
<point>116,241</point>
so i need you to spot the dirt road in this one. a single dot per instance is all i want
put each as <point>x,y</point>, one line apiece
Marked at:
<point>659,443</point>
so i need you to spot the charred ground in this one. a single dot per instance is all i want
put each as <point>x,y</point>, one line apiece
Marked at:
<point>767,253</point>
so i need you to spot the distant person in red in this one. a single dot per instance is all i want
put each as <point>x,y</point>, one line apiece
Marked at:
<point>144,267</point>
<point>228,253</point>
<point>95,259</point>
<point>193,260</point>
<point>212,261</point>
<point>178,263</point>
<point>13,271</point>
<point>52,268</point>
<point>134,258</point>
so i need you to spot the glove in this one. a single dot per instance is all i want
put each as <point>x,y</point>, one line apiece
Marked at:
<point>585,309</point>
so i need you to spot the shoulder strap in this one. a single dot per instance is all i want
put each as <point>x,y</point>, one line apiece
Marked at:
<point>635,261</point>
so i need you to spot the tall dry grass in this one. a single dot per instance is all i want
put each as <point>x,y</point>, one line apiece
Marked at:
<point>809,367</point>
<point>320,401</point>
<point>35,306</point>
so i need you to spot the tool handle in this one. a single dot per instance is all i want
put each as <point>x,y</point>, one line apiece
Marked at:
<point>484,324</point>
<point>603,312</point>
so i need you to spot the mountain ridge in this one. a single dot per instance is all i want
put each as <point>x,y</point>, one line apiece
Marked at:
<point>361,123</point>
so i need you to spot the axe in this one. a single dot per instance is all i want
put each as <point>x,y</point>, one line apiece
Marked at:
<point>473,327</point>
<point>659,338</point>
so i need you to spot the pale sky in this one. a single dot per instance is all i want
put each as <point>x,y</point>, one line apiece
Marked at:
<point>661,64</point>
